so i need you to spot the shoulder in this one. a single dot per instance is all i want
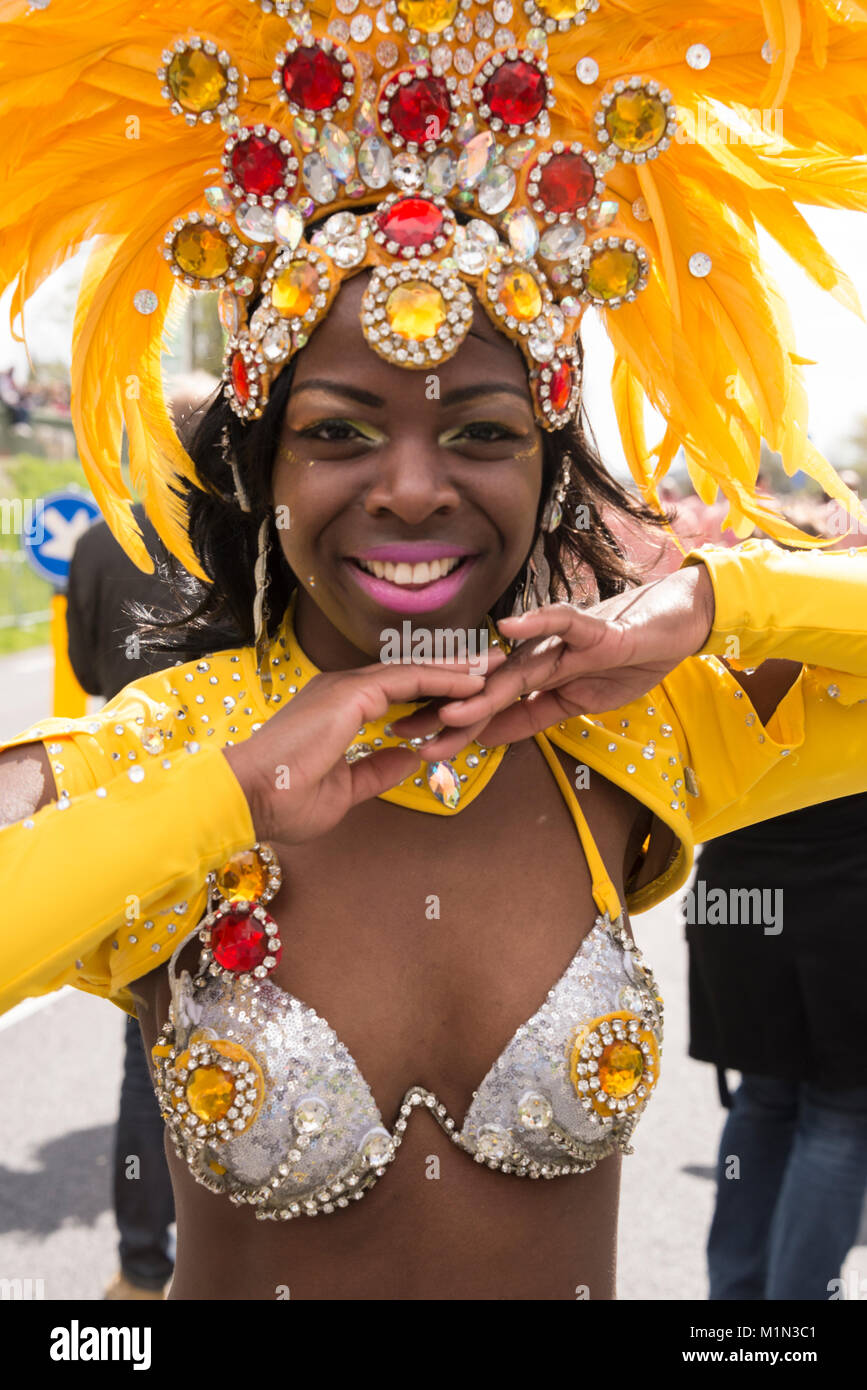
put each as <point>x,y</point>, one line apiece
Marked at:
<point>215,699</point>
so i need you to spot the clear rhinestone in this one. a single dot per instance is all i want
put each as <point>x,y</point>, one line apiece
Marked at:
<point>587,71</point>
<point>561,241</point>
<point>145,301</point>
<point>603,216</point>
<point>520,227</point>
<point>407,172</point>
<point>535,1111</point>
<point>466,129</point>
<point>639,210</point>
<point>493,1142</point>
<point>361,28</point>
<point>276,344</point>
<point>387,54</point>
<point>257,223</point>
<point>441,173</point>
<point>541,343</point>
<point>376,1147</point>
<point>698,55</point>
<point>337,151</point>
<point>311,1115</point>
<point>305,134</point>
<point>476,157</point>
<point>700,264</point>
<point>767,51</point>
<point>288,226</point>
<point>318,179</point>
<point>519,151</point>
<point>374,162</point>
<point>218,200</point>
<point>496,189</point>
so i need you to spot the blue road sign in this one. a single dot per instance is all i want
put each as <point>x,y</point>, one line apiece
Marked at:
<point>53,525</point>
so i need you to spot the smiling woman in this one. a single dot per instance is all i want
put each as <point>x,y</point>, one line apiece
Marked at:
<point>338,890</point>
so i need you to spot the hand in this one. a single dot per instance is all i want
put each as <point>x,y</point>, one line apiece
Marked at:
<point>293,771</point>
<point>574,661</point>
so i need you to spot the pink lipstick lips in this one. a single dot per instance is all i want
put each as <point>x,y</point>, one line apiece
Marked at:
<point>397,561</point>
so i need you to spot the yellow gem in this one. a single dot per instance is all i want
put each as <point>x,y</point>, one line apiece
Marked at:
<point>294,288</point>
<point>243,877</point>
<point>612,273</point>
<point>635,120</point>
<point>197,80</point>
<point>620,1068</point>
<point>562,9</point>
<point>520,295</point>
<point>201,251</point>
<point>209,1093</point>
<point>216,1167</point>
<point>430,16</point>
<point>415,310</point>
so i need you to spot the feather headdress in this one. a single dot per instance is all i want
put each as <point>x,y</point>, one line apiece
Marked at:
<point>619,154</point>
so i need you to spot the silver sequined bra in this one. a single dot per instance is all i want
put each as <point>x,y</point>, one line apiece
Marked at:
<point>265,1104</point>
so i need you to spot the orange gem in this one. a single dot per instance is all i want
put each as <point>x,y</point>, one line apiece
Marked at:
<point>415,310</point>
<point>201,251</point>
<point>520,295</point>
<point>635,120</point>
<point>430,16</point>
<point>244,877</point>
<point>294,289</point>
<point>612,273</point>
<point>197,80</point>
<point>562,9</point>
<point>209,1093</point>
<point>620,1068</point>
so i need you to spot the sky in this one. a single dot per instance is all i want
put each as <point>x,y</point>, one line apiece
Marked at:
<point>825,331</point>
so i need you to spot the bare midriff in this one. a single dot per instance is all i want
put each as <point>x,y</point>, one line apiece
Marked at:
<point>425,941</point>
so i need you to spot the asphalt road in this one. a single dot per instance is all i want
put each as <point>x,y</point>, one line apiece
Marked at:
<point>60,1067</point>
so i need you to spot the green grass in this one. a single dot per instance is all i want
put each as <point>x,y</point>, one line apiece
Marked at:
<point>21,589</point>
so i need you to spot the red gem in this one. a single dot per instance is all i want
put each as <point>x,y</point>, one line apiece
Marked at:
<point>421,110</point>
<point>566,182</point>
<point>239,941</point>
<point>258,165</point>
<point>313,78</point>
<point>240,379</point>
<point>516,92</point>
<point>560,387</point>
<point>411,221</point>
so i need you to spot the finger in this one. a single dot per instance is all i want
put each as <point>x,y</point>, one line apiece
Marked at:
<point>526,670</point>
<point>379,772</point>
<point>450,742</point>
<point>426,721</point>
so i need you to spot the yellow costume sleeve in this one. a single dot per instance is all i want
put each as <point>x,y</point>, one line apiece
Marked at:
<point>98,885</point>
<point>772,603</point>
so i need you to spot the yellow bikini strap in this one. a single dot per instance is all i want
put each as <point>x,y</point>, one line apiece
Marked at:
<point>604,892</point>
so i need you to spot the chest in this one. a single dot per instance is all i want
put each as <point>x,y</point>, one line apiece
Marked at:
<point>426,940</point>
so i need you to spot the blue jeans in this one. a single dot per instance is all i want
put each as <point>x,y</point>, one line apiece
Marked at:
<point>791,1178</point>
<point>144,1205</point>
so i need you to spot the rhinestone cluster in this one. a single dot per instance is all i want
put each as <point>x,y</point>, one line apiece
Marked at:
<point>442,113</point>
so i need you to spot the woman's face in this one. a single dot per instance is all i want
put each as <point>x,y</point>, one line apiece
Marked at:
<point>411,494</point>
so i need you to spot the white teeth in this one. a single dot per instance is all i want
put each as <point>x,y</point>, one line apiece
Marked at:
<point>404,573</point>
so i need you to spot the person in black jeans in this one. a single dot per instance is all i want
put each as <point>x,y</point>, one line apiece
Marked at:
<point>105,657</point>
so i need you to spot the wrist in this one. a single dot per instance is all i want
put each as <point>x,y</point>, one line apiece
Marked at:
<point>238,758</point>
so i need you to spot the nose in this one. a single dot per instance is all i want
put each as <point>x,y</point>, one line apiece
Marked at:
<point>412,482</point>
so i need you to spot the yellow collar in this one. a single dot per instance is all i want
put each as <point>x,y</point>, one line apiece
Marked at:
<point>465,775</point>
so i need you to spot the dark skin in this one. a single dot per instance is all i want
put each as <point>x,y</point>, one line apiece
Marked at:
<point>414,999</point>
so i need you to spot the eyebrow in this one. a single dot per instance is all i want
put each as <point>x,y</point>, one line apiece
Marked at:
<point>356,393</point>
